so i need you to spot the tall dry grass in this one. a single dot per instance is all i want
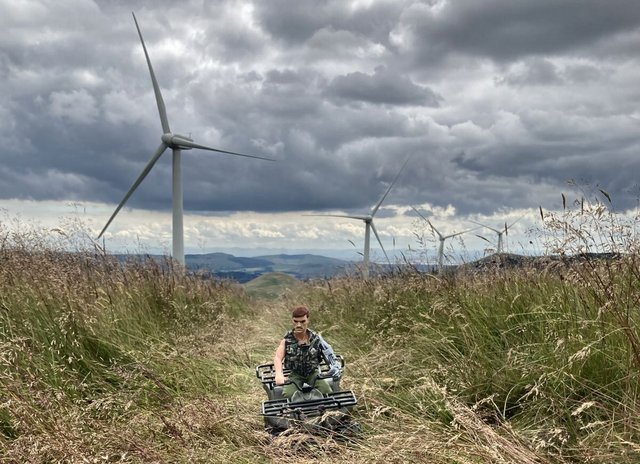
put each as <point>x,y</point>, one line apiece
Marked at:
<point>105,362</point>
<point>92,360</point>
<point>517,366</point>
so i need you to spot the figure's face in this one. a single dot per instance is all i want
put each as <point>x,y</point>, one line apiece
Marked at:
<point>300,324</point>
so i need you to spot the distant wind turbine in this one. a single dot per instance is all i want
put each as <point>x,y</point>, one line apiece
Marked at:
<point>369,226</point>
<point>177,143</point>
<point>499,232</point>
<point>441,238</point>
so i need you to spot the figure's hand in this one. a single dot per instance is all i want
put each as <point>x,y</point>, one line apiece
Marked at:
<point>335,372</point>
<point>280,379</point>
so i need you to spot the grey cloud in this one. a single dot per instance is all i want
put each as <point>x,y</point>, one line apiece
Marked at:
<point>535,71</point>
<point>542,72</point>
<point>383,87</point>
<point>543,171</point>
<point>296,22</point>
<point>505,30</point>
<point>228,37</point>
<point>285,77</point>
<point>283,97</point>
<point>342,45</point>
<point>583,73</point>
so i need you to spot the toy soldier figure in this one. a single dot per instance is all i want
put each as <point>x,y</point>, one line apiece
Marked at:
<point>301,351</point>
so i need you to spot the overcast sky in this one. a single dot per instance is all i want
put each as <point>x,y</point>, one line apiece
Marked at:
<point>498,102</point>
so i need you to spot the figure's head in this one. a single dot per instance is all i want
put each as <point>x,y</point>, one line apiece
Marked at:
<point>300,316</point>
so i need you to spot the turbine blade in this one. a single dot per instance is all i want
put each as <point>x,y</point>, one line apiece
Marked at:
<point>375,232</point>
<point>362,218</point>
<point>375,208</point>
<point>465,231</point>
<point>459,233</point>
<point>436,230</point>
<point>156,88</point>
<point>428,222</point>
<point>135,185</point>
<point>484,225</point>
<point>189,144</point>
<point>419,213</point>
<point>509,226</point>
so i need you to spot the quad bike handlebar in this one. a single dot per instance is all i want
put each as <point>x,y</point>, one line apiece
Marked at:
<point>320,376</point>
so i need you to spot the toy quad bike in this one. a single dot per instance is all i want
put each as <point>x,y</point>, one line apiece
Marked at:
<point>308,408</point>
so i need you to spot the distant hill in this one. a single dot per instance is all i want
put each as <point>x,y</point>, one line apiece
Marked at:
<point>545,262</point>
<point>300,266</point>
<point>310,266</point>
<point>225,262</point>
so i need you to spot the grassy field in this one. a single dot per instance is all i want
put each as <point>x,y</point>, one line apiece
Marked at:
<point>101,362</point>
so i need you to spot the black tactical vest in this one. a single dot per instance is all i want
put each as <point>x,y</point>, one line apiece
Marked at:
<point>302,359</point>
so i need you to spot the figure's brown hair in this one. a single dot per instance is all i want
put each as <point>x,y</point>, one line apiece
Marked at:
<point>300,311</point>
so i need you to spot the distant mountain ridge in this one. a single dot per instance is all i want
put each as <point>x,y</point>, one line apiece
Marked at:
<point>300,266</point>
<point>311,266</point>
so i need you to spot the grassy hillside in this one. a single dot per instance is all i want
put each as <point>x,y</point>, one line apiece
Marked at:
<point>272,285</point>
<point>101,362</point>
<point>224,262</point>
<point>308,266</point>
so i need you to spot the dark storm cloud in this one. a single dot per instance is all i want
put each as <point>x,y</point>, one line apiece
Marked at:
<point>384,86</point>
<point>499,102</point>
<point>521,170</point>
<point>295,21</point>
<point>505,30</point>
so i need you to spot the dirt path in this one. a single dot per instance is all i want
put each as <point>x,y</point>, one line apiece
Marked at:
<point>250,342</point>
<point>391,436</point>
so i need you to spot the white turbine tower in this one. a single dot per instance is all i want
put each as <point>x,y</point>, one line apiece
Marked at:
<point>369,226</point>
<point>177,143</point>
<point>441,238</point>
<point>499,232</point>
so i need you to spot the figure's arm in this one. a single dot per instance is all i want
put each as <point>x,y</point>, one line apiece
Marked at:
<point>278,359</point>
<point>335,369</point>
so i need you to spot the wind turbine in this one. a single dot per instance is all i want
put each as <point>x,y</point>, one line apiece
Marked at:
<point>177,143</point>
<point>499,232</point>
<point>369,226</point>
<point>441,238</point>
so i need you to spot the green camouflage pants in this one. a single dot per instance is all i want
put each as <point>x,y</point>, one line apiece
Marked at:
<point>298,380</point>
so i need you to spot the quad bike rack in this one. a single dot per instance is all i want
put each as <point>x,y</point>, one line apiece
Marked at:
<point>310,408</point>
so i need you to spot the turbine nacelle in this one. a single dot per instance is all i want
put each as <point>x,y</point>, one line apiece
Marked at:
<point>177,141</point>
